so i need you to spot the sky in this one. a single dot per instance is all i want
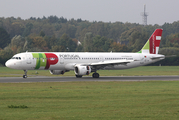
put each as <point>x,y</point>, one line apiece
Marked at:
<point>159,11</point>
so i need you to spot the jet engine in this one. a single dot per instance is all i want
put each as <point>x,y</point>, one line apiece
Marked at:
<point>82,70</point>
<point>57,72</point>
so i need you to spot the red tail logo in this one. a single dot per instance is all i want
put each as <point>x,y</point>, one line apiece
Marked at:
<point>154,41</point>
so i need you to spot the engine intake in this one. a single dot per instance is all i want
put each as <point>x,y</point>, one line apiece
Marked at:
<point>82,70</point>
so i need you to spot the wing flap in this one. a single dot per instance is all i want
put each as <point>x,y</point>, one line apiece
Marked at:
<point>111,62</point>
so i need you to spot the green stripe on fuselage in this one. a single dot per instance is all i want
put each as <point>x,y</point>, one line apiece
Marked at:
<point>41,60</point>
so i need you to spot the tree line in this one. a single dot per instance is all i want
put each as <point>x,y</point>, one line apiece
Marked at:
<point>53,34</point>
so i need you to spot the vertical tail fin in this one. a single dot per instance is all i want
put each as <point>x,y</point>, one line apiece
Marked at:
<point>152,45</point>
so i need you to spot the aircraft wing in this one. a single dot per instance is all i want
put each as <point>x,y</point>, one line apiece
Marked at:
<point>101,64</point>
<point>111,62</point>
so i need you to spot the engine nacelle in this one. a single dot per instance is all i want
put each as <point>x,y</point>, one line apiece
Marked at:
<point>57,72</point>
<point>82,70</point>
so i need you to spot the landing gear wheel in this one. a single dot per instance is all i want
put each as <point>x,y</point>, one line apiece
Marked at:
<point>95,75</point>
<point>25,72</point>
<point>78,76</point>
<point>24,76</point>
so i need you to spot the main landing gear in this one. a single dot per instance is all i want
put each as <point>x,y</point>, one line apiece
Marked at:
<point>25,74</point>
<point>78,76</point>
<point>95,75</point>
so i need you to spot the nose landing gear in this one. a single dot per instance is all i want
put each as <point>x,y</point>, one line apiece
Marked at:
<point>25,74</point>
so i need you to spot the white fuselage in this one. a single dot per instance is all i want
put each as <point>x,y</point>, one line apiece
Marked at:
<point>67,60</point>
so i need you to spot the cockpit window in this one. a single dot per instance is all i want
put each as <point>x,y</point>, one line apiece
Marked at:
<point>17,58</point>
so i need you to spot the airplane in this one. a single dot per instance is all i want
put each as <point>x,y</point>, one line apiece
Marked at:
<point>84,63</point>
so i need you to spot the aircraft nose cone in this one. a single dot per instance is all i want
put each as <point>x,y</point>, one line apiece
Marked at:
<point>8,64</point>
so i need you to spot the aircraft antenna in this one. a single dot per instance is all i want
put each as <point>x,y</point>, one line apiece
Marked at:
<point>144,16</point>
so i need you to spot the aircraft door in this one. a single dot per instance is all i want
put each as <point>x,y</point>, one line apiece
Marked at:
<point>28,59</point>
<point>61,60</point>
<point>101,58</point>
<point>142,59</point>
<point>29,62</point>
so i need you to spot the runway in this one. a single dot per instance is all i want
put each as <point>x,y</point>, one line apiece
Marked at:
<point>73,79</point>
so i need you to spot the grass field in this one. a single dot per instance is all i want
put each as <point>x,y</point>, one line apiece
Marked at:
<point>152,100</point>
<point>139,71</point>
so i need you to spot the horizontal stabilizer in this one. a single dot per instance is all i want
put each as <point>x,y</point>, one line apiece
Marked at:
<point>158,57</point>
